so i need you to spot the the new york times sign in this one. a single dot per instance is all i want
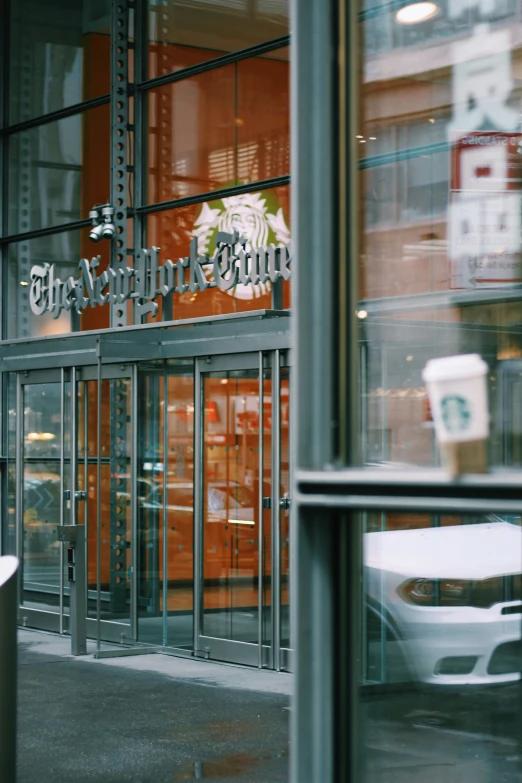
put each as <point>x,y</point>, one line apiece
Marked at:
<point>231,265</point>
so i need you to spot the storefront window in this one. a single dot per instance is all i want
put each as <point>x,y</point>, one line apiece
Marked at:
<point>441,645</point>
<point>59,170</point>
<point>262,217</point>
<point>225,127</point>
<point>185,33</point>
<point>64,250</point>
<point>440,143</point>
<point>59,55</point>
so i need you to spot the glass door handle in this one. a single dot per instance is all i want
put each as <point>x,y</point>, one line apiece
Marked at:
<point>267,502</point>
<point>284,503</point>
<point>80,494</point>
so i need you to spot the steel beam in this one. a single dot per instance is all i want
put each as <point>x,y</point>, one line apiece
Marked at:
<point>119,141</point>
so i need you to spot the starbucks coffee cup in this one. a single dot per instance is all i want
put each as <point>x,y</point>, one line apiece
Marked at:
<point>457,391</point>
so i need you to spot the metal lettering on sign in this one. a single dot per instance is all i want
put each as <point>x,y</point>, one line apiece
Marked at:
<point>232,265</point>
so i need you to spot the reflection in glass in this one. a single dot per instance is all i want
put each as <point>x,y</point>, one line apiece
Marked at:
<point>115,534</point>
<point>41,495</point>
<point>225,127</point>
<point>441,622</point>
<point>441,255</point>
<point>165,602</point>
<point>230,505</point>
<point>50,177</point>
<point>182,34</point>
<point>59,55</point>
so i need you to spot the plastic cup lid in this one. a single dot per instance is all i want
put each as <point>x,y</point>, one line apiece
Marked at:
<point>468,365</point>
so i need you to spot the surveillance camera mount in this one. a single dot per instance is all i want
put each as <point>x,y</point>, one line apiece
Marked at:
<point>102,216</point>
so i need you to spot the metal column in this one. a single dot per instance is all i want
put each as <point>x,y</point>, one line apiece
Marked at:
<point>326,554</point>
<point>119,141</point>
<point>276,509</point>
<point>8,667</point>
<point>198,503</point>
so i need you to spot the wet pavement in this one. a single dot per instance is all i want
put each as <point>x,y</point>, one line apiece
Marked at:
<point>119,720</point>
<point>160,719</point>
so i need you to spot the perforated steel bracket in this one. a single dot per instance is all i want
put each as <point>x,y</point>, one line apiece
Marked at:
<point>119,141</point>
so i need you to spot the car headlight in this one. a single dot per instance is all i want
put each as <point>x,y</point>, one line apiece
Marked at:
<point>481,594</point>
<point>436,592</point>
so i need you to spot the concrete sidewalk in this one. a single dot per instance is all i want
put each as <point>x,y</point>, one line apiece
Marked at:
<point>146,718</point>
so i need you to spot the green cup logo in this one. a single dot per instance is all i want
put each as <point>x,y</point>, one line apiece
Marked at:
<point>456,413</point>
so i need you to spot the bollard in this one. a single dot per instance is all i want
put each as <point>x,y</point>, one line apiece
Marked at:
<point>8,672</point>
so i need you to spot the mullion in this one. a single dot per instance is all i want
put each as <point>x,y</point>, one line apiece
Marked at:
<point>217,62</point>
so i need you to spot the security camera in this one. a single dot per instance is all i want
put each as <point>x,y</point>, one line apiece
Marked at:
<point>96,231</point>
<point>103,227</point>
<point>108,227</point>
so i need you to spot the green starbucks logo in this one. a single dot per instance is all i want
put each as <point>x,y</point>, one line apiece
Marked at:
<point>456,414</point>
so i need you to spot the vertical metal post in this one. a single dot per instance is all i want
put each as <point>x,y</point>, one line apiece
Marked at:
<point>260,532</point>
<point>198,503</point>
<point>74,447</point>
<point>19,479</point>
<point>62,485</point>
<point>8,667</point>
<point>85,482</point>
<point>276,508</point>
<point>165,510</point>
<point>326,555</point>
<point>77,545</point>
<point>134,503</point>
<point>98,506</point>
<point>119,142</point>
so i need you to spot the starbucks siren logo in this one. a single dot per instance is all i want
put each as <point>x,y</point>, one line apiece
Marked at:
<point>255,216</point>
<point>456,414</point>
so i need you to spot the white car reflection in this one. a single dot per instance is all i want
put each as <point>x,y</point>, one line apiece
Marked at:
<point>445,603</point>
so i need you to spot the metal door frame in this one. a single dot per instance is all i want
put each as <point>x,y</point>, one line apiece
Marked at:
<point>39,618</point>
<point>260,655</point>
<point>110,630</point>
<point>106,630</point>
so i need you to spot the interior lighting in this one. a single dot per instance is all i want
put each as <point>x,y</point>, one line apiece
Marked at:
<point>24,282</point>
<point>415,13</point>
<point>362,314</point>
<point>359,137</point>
<point>33,436</point>
<point>373,138</point>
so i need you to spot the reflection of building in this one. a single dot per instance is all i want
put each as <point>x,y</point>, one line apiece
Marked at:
<point>165,434</point>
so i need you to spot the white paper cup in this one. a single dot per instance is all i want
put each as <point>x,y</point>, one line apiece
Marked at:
<point>457,391</point>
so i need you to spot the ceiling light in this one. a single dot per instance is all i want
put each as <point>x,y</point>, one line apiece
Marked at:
<point>414,13</point>
<point>362,314</point>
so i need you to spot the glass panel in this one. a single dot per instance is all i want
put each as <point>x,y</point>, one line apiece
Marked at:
<point>440,144</point>
<point>51,170</point>
<point>64,250</point>
<point>59,55</point>
<point>115,522</point>
<point>230,504</point>
<point>41,495</point>
<point>168,622</point>
<point>263,218</point>
<point>183,34</point>
<point>225,127</point>
<point>180,503</point>
<point>442,647</point>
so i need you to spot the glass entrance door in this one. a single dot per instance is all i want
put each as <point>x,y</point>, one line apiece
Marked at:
<point>105,500</point>
<point>43,452</point>
<point>238,502</point>
<point>90,483</point>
